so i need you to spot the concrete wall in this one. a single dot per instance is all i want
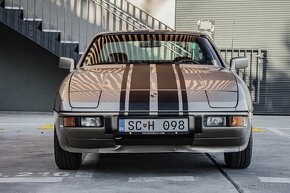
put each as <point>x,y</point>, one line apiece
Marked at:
<point>29,76</point>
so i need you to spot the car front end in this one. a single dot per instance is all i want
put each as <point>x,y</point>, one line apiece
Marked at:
<point>114,103</point>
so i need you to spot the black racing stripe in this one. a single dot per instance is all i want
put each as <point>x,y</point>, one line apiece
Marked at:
<point>139,101</point>
<point>140,77</point>
<point>168,100</point>
<point>123,90</point>
<point>139,98</point>
<point>167,89</point>
<point>165,77</point>
<point>183,90</point>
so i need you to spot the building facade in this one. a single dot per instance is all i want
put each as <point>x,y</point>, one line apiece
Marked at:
<point>258,29</point>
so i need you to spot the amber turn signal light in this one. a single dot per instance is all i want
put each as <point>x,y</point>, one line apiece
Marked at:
<point>238,121</point>
<point>69,121</point>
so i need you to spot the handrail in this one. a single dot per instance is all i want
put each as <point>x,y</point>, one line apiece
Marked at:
<point>132,24</point>
<point>73,20</point>
<point>137,8</point>
<point>135,20</point>
<point>123,13</point>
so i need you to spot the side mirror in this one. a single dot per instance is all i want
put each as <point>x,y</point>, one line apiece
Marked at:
<point>239,63</point>
<point>66,63</point>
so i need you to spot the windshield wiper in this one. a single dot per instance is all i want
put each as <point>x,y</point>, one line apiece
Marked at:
<point>186,61</point>
<point>149,62</point>
<point>109,63</point>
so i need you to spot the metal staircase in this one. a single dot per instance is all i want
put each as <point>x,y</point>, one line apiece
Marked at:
<point>33,29</point>
<point>65,27</point>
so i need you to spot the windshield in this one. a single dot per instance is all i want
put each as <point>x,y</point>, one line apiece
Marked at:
<point>150,48</point>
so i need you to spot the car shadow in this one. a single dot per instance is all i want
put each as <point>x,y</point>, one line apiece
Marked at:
<point>161,163</point>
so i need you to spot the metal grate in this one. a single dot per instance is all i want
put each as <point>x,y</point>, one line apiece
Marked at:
<point>253,74</point>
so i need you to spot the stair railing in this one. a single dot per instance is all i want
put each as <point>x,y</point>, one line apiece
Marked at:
<point>138,21</point>
<point>76,20</point>
<point>136,12</point>
<point>167,44</point>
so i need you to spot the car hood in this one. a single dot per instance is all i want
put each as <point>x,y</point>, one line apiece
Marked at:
<point>112,85</point>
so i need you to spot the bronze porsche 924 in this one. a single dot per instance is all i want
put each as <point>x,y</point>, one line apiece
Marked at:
<point>151,92</point>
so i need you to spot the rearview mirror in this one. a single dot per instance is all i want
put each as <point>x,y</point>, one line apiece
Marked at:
<point>66,63</point>
<point>150,44</point>
<point>239,63</point>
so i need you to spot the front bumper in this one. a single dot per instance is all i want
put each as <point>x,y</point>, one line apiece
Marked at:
<point>106,140</point>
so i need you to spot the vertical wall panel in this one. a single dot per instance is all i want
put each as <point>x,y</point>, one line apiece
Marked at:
<point>263,24</point>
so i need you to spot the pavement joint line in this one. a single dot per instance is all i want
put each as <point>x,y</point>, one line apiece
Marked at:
<point>283,128</point>
<point>274,180</point>
<point>31,180</point>
<point>278,131</point>
<point>162,179</point>
<point>238,188</point>
<point>87,172</point>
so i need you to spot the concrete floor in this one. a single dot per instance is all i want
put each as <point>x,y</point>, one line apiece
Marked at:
<point>27,164</point>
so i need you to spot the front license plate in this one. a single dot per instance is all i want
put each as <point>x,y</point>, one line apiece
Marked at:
<point>153,126</point>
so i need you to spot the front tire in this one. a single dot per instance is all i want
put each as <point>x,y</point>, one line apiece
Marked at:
<point>241,159</point>
<point>64,159</point>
